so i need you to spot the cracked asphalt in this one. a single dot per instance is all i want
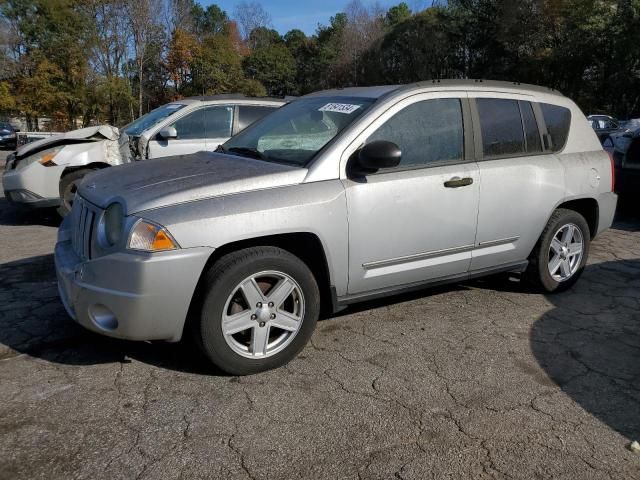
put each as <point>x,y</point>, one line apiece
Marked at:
<point>479,380</point>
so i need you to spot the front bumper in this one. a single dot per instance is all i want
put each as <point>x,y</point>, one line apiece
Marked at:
<point>34,185</point>
<point>130,296</point>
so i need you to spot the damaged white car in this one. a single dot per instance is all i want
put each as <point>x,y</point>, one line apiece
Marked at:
<point>47,173</point>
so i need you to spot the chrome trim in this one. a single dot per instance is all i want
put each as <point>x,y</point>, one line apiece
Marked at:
<point>495,243</point>
<point>417,257</point>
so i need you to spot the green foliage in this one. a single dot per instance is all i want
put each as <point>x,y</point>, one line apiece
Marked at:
<point>274,66</point>
<point>397,14</point>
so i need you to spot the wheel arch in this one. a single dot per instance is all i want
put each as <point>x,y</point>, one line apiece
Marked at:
<point>305,245</point>
<point>588,208</point>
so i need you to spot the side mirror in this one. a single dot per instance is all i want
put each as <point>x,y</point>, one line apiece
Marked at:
<point>379,154</point>
<point>168,132</point>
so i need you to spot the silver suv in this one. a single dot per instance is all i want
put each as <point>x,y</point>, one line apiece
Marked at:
<point>338,197</point>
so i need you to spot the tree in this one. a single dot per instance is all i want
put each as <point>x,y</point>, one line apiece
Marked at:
<point>274,67</point>
<point>397,14</point>
<point>249,16</point>
<point>142,16</point>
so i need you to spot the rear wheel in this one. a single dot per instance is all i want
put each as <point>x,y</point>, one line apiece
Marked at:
<point>561,254</point>
<point>68,188</point>
<point>259,309</point>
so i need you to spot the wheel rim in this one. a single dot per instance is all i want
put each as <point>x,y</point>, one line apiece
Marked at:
<point>69,194</point>
<point>263,314</point>
<point>565,253</point>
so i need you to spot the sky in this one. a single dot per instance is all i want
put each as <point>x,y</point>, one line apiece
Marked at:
<point>305,14</point>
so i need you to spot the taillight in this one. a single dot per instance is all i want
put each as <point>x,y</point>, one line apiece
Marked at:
<point>613,172</point>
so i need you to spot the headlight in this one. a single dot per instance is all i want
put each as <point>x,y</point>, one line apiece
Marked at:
<point>45,157</point>
<point>150,237</point>
<point>111,226</point>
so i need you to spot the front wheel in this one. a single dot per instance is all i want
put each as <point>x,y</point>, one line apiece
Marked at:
<point>561,253</point>
<point>68,188</point>
<point>259,309</point>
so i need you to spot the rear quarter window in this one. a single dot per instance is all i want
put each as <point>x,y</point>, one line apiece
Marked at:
<point>558,121</point>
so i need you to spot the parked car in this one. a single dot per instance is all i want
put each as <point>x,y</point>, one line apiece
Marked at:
<point>624,147</point>
<point>46,173</point>
<point>8,135</point>
<point>604,125</point>
<point>338,197</point>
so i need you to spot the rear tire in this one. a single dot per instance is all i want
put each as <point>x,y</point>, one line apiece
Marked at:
<point>260,307</point>
<point>68,187</point>
<point>559,257</point>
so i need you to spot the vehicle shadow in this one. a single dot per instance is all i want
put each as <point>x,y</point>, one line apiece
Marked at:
<point>12,215</point>
<point>589,343</point>
<point>34,322</point>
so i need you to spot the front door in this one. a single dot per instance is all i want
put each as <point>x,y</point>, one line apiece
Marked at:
<point>201,129</point>
<point>416,222</point>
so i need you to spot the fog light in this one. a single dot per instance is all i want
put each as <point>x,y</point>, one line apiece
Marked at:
<point>103,317</point>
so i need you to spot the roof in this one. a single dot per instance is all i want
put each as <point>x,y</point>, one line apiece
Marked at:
<point>380,91</point>
<point>231,97</point>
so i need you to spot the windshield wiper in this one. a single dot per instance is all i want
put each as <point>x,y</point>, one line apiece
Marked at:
<point>245,152</point>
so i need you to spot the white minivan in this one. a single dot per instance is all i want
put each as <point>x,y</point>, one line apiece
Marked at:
<point>46,173</point>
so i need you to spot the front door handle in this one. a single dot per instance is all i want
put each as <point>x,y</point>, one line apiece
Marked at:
<point>457,182</point>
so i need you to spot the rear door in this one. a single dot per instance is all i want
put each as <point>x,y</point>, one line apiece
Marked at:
<point>520,180</point>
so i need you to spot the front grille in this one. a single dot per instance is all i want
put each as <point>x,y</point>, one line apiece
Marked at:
<point>83,219</point>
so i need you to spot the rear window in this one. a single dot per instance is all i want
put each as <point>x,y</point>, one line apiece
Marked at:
<point>247,114</point>
<point>501,126</point>
<point>558,120</point>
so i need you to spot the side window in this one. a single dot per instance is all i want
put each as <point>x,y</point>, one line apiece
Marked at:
<point>531,130</point>
<point>208,122</point>
<point>219,121</point>
<point>501,126</point>
<point>247,114</point>
<point>558,120</point>
<point>191,126</point>
<point>427,132</point>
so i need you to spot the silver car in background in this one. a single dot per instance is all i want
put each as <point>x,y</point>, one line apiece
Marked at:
<point>46,173</point>
<point>338,197</point>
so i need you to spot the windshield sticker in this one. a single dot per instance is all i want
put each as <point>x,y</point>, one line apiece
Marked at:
<point>339,108</point>
<point>174,106</point>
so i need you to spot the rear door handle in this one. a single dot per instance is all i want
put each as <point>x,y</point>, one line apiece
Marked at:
<point>457,182</point>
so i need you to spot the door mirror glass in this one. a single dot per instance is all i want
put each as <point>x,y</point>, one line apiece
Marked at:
<point>379,154</point>
<point>168,132</point>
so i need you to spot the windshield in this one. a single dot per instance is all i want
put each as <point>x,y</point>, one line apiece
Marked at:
<point>151,119</point>
<point>295,133</point>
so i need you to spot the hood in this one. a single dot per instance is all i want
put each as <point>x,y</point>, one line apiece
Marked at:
<point>167,181</point>
<point>90,134</point>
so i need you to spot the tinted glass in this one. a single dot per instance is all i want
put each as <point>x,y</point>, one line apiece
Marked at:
<point>501,126</point>
<point>426,132</point>
<point>532,133</point>
<point>247,114</point>
<point>208,122</point>
<point>295,133</point>
<point>152,118</point>
<point>558,120</point>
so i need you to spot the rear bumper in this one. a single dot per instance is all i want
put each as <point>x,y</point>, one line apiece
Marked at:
<point>127,295</point>
<point>607,203</point>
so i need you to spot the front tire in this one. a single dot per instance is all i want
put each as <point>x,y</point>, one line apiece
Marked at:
<point>68,187</point>
<point>559,257</point>
<point>259,309</point>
